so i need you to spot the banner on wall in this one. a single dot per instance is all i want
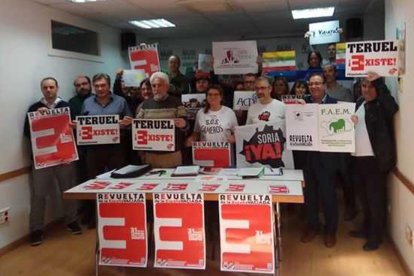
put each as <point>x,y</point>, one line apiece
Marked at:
<point>212,154</point>
<point>133,78</point>
<point>324,32</point>
<point>340,53</point>
<point>122,229</point>
<point>179,231</point>
<point>380,56</point>
<point>193,103</point>
<point>97,130</point>
<point>242,100</point>
<point>246,239</point>
<point>235,57</point>
<point>145,57</point>
<point>153,134</point>
<point>279,61</point>
<point>325,127</point>
<point>52,138</point>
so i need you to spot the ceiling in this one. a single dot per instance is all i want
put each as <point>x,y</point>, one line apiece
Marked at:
<point>246,19</point>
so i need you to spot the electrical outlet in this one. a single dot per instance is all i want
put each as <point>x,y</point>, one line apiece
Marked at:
<point>4,215</point>
<point>409,235</point>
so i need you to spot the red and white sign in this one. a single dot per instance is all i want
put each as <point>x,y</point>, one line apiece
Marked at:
<point>379,56</point>
<point>122,230</point>
<point>147,186</point>
<point>278,189</point>
<point>145,57</point>
<point>153,135</point>
<point>212,154</point>
<point>179,231</point>
<point>97,185</point>
<point>120,186</point>
<point>52,138</point>
<point>246,239</point>
<point>97,130</point>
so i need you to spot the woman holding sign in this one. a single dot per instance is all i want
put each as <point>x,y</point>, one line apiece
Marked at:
<point>214,123</point>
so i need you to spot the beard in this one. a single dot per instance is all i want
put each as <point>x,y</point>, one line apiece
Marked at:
<point>84,92</point>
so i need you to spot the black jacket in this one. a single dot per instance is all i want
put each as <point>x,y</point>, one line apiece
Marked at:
<point>379,118</point>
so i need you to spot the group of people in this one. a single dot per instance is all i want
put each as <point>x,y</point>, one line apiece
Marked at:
<point>159,98</point>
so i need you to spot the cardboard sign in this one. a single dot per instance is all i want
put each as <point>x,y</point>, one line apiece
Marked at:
<point>122,229</point>
<point>291,99</point>
<point>324,127</point>
<point>179,231</point>
<point>324,32</point>
<point>246,239</point>
<point>97,130</point>
<point>235,57</point>
<point>379,56</point>
<point>145,57</point>
<point>279,61</point>
<point>52,138</point>
<point>212,154</point>
<point>244,99</point>
<point>153,135</point>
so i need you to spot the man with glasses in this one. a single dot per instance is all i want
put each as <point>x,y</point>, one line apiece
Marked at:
<point>319,173</point>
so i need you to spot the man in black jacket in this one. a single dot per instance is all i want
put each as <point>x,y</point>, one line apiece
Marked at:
<point>375,155</point>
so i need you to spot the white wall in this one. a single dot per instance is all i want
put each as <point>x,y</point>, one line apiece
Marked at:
<point>401,199</point>
<point>25,54</point>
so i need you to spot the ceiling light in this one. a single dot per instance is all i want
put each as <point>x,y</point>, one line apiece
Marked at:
<point>152,23</point>
<point>83,1</point>
<point>312,13</point>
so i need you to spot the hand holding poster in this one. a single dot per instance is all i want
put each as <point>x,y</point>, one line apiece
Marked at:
<point>235,57</point>
<point>145,57</point>
<point>212,154</point>
<point>244,99</point>
<point>97,130</point>
<point>179,231</point>
<point>153,135</point>
<point>122,229</point>
<point>246,239</point>
<point>52,138</point>
<point>379,56</point>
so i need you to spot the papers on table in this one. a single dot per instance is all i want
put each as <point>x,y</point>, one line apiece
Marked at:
<point>186,171</point>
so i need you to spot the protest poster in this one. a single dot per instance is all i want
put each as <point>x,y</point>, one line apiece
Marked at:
<point>336,129</point>
<point>212,154</point>
<point>179,230</point>
<point>97,130</point>
<point>291,99</point>
<point>52,138</point>
<point>324,32</point>
<point>242,100</point>
<point>324,127</point>
<point>133,78</point>
<point>301,127</point>
<point>122,229</point>
<point>205,62</point>
<point>145,57</point>
<point>193,103</point>
<point>246,239</point>
<point>235,57</point>
<point>340,53</point>
<point>380,56</point>
<point>279,61</point>
<point>153,134</point>
<point>262,144</point>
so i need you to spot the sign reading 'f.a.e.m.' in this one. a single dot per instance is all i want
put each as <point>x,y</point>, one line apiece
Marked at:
<point>380,57</point>
<point>122,230</point>
<point>97,130</point>
<point>52,138</point>
<point>154,135</point>
<point>246,239</point>
<point>179,230</point>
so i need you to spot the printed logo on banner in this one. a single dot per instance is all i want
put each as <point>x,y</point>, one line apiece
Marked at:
<point>246,239</point>
<point>176,187</point>
<point>97,185</point>
<point>153,135</point>
<point>52,138</point>
<point>103,129</point>
<point>244,99</point>
<point>265,147</point>
<point>147,186</point>
<point>145,58</point>
<point>120,186</point>
<point>278,189</point>
<point>212,154</point>
<point>235,188</point>
<point>122,229</point>
<point>179,231</point>
<point>209,187</point>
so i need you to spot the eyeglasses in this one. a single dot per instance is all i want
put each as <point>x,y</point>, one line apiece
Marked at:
<point>258,88</point>
<point>315,83</point>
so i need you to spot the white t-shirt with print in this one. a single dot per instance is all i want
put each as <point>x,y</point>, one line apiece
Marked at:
<point>215,126</point>
<point>271,112</point>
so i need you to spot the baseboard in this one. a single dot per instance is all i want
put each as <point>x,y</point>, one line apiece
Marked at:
<point>24,239</point>
<point>403,263</point>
